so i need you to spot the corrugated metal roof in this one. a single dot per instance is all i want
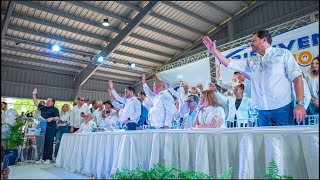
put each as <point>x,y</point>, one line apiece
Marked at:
<point>77,27</point>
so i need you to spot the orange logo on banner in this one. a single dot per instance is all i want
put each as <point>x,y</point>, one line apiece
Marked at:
<point>304,58</point>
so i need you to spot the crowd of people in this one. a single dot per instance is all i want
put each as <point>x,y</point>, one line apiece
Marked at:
<point>271,82</point>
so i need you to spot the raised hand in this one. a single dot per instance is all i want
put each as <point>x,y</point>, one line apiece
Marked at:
<point>181,83</point>
<point>110,84</point>
<point>211,45</point>
<point>35,91</point>
<point>143,78</point>
<point>110,92</point>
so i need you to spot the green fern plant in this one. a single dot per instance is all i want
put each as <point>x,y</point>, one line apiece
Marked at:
<point>159,171</point>
<point>273,172</point>
<point>225,174</point>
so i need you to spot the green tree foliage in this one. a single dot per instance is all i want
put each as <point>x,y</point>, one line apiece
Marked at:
<point>16,135</point>
<point>20,104</point>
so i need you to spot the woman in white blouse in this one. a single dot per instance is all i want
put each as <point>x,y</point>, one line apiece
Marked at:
<point>312,79</point>
<point>212,114</point>
<point>62,125</point>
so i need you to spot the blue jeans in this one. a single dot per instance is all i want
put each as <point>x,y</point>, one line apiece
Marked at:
<point>60,131</point>
<point>278,117</point>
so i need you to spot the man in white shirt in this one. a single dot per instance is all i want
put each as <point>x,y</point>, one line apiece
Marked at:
<point>88,125</point>
<point>271,71</point>
<point>238,106</point>
<point>132,106</point>
<point>77,114</point>
<point>182,96</point>
<point>7,118</point>
<point>97,114</point>
<point>145,100</point>
<point>162,112</point>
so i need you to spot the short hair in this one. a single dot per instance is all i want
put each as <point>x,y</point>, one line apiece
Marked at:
<point>142,93</point>
<point>78,98</point>
<point>240,86</point>
<point>195,98</point>
<point>53,100</point>
<point>264,34</point>
<point>159,83</point>
<point>108,102</point>
<point>93,102</point>
<point>130,88</point>
<point>4,103</point>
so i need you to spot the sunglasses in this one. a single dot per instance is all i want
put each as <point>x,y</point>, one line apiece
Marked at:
<point>81,99</point>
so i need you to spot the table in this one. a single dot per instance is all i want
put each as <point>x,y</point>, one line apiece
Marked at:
<point>246,150</point>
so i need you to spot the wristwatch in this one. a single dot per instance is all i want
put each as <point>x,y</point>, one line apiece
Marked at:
<point>300,103</point>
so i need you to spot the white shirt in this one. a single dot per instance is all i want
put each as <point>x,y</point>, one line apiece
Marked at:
<point>206,115</point>
<point>87,126</point>
<point>147,103</point>
<point>162,112</point>
<point>271,77</point>
<point>131,109</point>
<point>97,116</point>
<point>182,98</point>
<point>8,118</point>
<point>65,116</point>
<point>110,119</point>
<point>313,84</point>
<point>243,110</point>
<point>75,118</point>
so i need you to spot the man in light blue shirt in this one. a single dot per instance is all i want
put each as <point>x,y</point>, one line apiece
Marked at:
<point>190,116</point>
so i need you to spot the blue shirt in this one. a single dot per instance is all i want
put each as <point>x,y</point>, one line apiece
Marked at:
<point>190,117</point>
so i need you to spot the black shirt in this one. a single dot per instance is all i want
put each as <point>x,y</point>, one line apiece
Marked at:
<point>48,112</point>
<point>237,104</point>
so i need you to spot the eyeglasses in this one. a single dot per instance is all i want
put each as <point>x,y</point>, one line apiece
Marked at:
<point>189,101</point>
<point>81,99</point>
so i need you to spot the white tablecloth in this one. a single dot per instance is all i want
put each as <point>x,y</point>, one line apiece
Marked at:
<point>246,150</point>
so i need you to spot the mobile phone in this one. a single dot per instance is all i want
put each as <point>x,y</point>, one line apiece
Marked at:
<point>107,111</point>
<point>5,162</point>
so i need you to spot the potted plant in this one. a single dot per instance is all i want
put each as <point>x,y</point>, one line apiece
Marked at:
<point>13,140</point>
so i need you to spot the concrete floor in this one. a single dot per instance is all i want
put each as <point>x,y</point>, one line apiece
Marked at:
<point>41,171</point>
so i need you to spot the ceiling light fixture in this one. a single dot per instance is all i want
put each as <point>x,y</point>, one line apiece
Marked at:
<point>105,22</point>
<point>100,59</point>
<point>55,48</point>
<point>132,65</point>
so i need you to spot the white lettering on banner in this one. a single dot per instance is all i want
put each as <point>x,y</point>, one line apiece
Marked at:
<point>303,42</point>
